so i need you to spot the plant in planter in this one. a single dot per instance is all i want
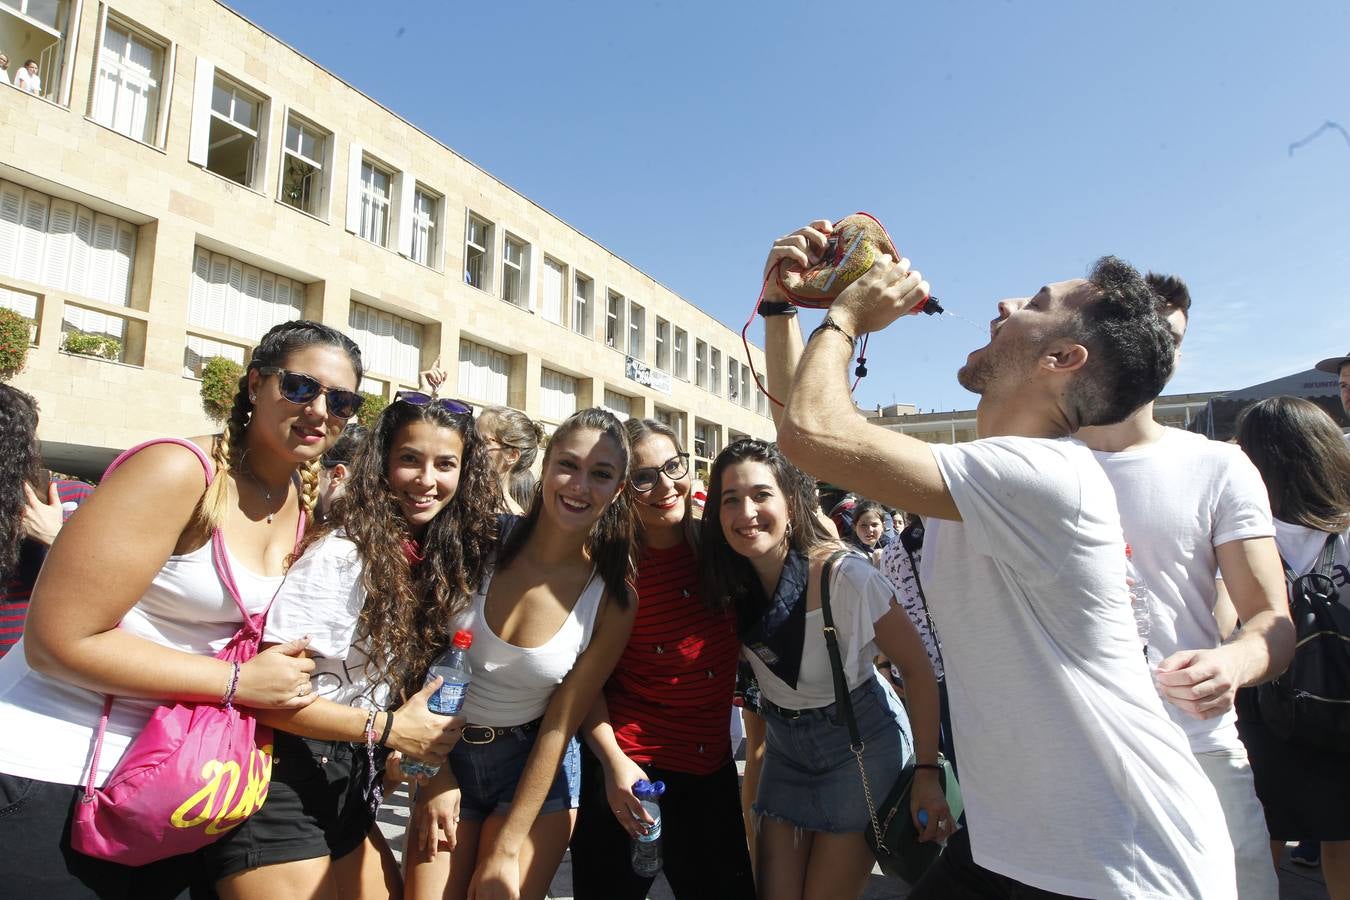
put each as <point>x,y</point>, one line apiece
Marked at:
<point>220,380</point>
<point>97,345</point>
<point>296,184</point>
<point>371,409</point>
<point>14,332</point>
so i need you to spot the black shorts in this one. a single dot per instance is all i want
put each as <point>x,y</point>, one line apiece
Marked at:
<point>318,804</point>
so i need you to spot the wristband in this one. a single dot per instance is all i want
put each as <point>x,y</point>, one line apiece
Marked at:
<point>388,726</point>
<point>831,325</point>
<point>369,730</point>
<point>936,767</point>
<point>230,691</point>
<point>373,790</point>
<point>776,308</point>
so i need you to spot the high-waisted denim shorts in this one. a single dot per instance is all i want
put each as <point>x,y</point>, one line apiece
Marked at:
<point>488,774</point>
<point>810,777</point>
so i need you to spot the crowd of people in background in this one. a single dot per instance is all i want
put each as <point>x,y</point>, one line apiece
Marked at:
<point>1075,611</point>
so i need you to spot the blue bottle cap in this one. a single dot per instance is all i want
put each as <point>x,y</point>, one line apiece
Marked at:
<point>658,788</point>
<point>923,817</point>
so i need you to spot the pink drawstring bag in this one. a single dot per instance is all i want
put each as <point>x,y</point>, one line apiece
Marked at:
<point>195,771</point>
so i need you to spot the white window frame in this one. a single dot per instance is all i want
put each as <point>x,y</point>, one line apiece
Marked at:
<point>321,163</point>
<point>483,251</point>
<point>583,302</point>
<point>428,212</point>
<point>554,388</point>
<point>681,354</point>
<point>714,371</point>
<point>637,331</point>
<point>616,319</point>
<point>111,71</point>
<point>204,113</point>
<point>701,364</point>
<point>661,345</point>
<point>56,62</point>
<point>372,202</point>
<point>556,315</point>
<point>516,272</point>
<point>471,354</point>
<point>391,344</point>
<point>745,385</point>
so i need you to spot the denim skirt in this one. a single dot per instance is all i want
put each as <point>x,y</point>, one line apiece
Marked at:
<point>810,777</point>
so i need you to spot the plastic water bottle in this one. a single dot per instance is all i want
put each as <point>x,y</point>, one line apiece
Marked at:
<point>646,854</point>
<point>1141,604</point>
<point>453,666</point>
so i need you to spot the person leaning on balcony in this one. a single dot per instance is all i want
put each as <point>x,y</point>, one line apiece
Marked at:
<point>4,68</point>
<point>27,78</point>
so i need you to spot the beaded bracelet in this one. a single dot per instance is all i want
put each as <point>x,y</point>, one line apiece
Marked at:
<point>234,686</point>
<point>373,782</point>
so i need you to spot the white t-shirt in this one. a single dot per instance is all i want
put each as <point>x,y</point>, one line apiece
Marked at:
<point>511,685</point>
<point>47,725</point>
<point>323,597</point>
<point>1075,779</point>
<point>1300,547</point>
<point>859,596</point>
<point>1180,497</point>
<point>25,81</point>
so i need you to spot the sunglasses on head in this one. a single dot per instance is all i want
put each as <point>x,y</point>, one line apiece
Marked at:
<point>297,387</point>
<point>445,404</point>
<point>644,479</point>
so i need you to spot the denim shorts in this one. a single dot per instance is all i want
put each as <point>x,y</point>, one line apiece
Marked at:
<point>810,777</point>
<point>488,774</point>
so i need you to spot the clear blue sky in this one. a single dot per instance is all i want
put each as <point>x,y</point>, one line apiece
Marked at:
<point>1004,144</point>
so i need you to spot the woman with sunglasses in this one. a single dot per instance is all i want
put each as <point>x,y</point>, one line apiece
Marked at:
<point>549,622</point>
<point>665,712</point>
<point>513,440</point>
<point>405,547</point>
<point>1305,462</point>
<point>129,603</point>
<point>764,548</point>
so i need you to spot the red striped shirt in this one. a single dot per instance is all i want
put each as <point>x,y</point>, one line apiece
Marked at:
<point>14,592</point>
<point>670,695</point>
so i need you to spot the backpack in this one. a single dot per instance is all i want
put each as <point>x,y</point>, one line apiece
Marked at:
<point>1310,703</point>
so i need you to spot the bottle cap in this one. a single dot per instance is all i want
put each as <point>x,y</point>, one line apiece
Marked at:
<point>1129,554</point>
<point>658,788</point>
<point>463,640</point>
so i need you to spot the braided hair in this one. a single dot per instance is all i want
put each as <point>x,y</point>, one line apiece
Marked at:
<point>227,452</point>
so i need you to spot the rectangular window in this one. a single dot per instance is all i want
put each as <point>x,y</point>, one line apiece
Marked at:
<point>234,136</point>
<point>715,370</point>
<point>707,439</point>
<point>615,308</point>
<point>733,384</point>
<point>555,282</point>
<point>619,404</point>
<point>761,403</point>
<point>582,293</point>
<point>127,87</point>
<point>390,345</point>
<point>200,351</point>
<point>515,271</point>
<point>426,227</point>
<point>662,339</point>
<point>376,194</point>
<point>673,420</point>
<point>701,364</point>
<point>745,385</point>
<point>637,331</point>
<point>681,347</point>
<point>558,398</point>
<point>38,32</point>
<point>484,374</point>
<point>303,179</point>
<point>237,299</point>
<point>61,245</point>
<point>478,252</point>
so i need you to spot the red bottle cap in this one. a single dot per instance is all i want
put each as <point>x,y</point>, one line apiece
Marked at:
<point>463,640</point>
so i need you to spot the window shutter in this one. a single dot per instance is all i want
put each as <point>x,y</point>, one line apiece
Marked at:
<point>354,187</point>
<point>200,140</point>
<point>60,235</point>
<point>404,186</point>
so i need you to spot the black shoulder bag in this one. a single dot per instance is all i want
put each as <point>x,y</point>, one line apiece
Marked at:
<point>891,833</point>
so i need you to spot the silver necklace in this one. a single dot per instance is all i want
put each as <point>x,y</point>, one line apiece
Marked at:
<point>267,495</point>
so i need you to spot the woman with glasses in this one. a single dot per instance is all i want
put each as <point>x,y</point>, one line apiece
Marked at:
<point>372,589</point>
<point>549,621</point>
<point>130,603</point>
<point>1305,462</point>
<point>665,712</point>
<point>513,440</point>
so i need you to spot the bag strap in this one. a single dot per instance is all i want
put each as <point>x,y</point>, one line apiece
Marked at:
<point>1321,566</point>
<point>841,699</point>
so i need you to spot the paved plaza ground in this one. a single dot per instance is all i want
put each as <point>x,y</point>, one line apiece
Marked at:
<point>1296,882</point>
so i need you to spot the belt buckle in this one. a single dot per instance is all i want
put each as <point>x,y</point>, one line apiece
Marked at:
<point>491,734</point>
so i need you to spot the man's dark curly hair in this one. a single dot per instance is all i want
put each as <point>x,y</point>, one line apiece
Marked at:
<point>1131,351</point>
<point>21,455</point>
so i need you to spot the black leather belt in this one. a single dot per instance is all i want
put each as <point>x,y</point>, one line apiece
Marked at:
<point>486,734</point>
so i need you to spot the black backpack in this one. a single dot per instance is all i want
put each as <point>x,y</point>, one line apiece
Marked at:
<point>1310,703</point>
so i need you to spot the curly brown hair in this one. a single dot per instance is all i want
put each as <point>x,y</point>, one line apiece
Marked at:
<point>19,449</point>
<point>403,624</point>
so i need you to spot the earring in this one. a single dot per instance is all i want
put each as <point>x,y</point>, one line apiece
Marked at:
<point>252,398</point>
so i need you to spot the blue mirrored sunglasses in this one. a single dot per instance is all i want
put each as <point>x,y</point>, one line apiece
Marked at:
<point>417,398</point>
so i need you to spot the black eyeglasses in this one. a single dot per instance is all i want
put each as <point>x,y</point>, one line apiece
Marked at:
<point>297,387</point>
<point>417,398</point>
<point>644,479</point>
